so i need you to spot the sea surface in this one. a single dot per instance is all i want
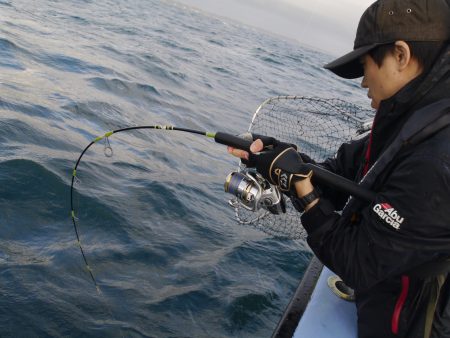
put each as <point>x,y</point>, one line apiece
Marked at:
<point>164,246</point>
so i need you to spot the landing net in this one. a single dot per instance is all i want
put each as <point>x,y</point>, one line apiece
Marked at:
<point>318,127</point>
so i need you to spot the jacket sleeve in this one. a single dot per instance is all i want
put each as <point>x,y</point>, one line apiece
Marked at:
<point>408,224</point>
<point>346,163</point>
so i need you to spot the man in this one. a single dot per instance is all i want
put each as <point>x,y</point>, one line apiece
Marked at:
<point>393,250</point>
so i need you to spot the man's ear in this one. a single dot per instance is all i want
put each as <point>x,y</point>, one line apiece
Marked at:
<point>402,54</point>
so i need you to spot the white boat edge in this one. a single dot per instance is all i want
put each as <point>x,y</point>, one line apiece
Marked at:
<point>315,311</point>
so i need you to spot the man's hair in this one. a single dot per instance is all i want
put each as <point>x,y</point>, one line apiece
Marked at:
<point>426,52</point>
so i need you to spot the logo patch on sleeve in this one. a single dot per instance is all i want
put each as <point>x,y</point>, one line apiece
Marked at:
<point>388,214</point>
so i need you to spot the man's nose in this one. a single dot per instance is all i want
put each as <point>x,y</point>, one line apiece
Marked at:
<point>363,82</point>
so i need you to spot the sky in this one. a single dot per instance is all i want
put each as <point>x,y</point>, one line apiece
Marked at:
<point>328,25</point>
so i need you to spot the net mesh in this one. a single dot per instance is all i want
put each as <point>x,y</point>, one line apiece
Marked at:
<point>318,127</point>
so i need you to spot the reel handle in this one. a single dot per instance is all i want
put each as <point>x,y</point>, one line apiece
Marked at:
<point>232,141</point>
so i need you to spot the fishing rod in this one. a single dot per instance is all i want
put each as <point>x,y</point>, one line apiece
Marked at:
<point>255,181</point>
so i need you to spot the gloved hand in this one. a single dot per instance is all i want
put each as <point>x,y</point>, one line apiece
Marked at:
<point>279,163</point>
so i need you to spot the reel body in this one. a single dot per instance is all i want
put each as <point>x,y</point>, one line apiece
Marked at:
<point>254,192</point>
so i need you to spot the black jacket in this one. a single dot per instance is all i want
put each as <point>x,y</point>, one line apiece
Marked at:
<point>382,248</point>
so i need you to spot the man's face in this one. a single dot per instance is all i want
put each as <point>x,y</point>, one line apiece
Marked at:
<point>381,81</point>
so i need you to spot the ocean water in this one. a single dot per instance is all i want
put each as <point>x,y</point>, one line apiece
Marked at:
<point>163,244</point>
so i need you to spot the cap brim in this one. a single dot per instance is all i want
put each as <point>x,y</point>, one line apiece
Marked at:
<point>349,66</point>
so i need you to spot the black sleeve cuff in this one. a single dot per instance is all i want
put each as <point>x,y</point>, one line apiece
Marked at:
<point>319,215</point>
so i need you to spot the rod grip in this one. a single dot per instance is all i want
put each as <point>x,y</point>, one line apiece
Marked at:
<point>233,141</point>
<point>340,183</point>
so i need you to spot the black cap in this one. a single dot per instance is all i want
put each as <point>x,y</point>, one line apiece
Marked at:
<point>387,21</point>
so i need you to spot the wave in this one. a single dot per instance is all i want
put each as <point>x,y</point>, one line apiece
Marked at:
<point>124,88</point>
<point>9,52</point>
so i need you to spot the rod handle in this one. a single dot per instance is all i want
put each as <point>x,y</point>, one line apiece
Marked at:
<point>232,141</point>
<point>340,183</point>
